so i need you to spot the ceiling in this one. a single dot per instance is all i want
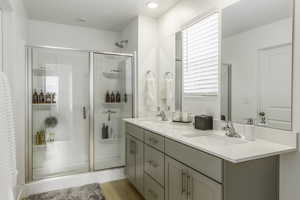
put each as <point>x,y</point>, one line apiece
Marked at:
<point>248,14</point>
<point>101,14</point>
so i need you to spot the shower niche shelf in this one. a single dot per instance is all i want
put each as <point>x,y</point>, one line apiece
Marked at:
<point>112,75</point>
<point>44,72</point>
<point>44,106</point>
<point>114,104</point>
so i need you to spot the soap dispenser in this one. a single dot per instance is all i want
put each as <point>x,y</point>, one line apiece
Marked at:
<point>249,130</point>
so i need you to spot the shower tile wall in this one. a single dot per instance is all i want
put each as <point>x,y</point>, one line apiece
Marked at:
<point>109,153</point>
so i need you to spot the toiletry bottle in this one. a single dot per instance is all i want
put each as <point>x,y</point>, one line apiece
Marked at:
<point>37,138</point>
<point>125,98</point>
<point>43,137</point>
<point>35,97</point>
<point>118,97</point>
<point>249,130</point>
<point>107,97</point>
<point>112,97</point>
<point>103,131</point>
<point>106,132</point>
<point>48,97</point>
<point>41,97</point>
<point>53,98</point>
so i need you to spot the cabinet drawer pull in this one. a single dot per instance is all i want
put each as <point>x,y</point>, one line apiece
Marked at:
<point>153,194</point>
<point>153,140</point>
<point>183,182</point>
<point>153,164</point>
<point>189,186</point>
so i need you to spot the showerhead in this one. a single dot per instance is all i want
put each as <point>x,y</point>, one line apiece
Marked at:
<point>121,44</point>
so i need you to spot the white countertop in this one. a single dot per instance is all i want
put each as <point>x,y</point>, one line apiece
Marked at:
<point>214,141</point>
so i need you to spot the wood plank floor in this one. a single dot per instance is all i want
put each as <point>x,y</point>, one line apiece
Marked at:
<point>120,190</point>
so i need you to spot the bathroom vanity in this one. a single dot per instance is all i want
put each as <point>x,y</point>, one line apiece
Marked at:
<point>168,161</point>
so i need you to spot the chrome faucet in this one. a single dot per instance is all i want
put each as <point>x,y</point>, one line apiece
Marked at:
<point>163,115</point>
<point>230,130</point>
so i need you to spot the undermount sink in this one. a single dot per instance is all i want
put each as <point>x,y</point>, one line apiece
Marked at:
<point>217,140</point>
<point>194,135</point>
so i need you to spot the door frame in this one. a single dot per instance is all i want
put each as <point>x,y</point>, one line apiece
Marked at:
<point>28,109</point>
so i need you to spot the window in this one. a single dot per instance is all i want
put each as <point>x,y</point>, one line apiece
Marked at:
<point>200,57</point>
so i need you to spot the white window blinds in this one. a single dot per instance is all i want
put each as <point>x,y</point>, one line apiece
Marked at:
<point>200,57</point>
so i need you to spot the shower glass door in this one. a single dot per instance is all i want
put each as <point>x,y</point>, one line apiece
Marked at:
<point>113,101</point>
<point>60,112</point>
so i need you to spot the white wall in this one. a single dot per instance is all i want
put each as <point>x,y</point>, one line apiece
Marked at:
<point>290,163</point>
<point>147,60</point>
<point>60,35</point>
<point>130,33</point>
<point>241,50</point>
<point>171,22</point>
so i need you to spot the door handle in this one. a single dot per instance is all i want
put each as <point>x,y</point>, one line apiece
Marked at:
<point>84,112</point>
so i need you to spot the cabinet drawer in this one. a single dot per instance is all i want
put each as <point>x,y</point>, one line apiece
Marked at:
<point>154,140</point>
<point>202,162</point>
<point>135,131</point>
<point>154,164</point>
<point>152,190</point>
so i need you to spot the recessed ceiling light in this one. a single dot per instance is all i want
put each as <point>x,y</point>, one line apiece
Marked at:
<point>152,4</point>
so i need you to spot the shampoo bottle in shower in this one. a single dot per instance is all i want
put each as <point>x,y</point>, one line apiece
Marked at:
<point>118,97</point>
<point>35,97</point>
<point>125,98</point>
<point>41,97</point>
<point>103,131</point>
<point>106,132</point>
<point>112,97</point>
<point>53,100</point>
<point>107,97</point>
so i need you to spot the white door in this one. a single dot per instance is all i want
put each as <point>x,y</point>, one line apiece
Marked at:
<point>275,85</point>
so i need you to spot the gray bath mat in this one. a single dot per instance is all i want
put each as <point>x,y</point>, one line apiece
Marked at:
<point>86,192</point>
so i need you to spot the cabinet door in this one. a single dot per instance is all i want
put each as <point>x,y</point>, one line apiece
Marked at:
<point>175,180</point>
<point>202,188</point>
<point>131,159</point>
<point>139,166</point>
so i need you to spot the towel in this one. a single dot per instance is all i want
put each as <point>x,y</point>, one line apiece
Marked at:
<point>150,93</point>
<point>169,92</point>
<point>8,170</point>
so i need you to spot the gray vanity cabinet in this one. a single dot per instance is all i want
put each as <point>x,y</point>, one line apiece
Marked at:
<point>175,180</point>
<point>134,162</point>
<point>164,169</point>
<point>184,183</point>
<point>200,187</point>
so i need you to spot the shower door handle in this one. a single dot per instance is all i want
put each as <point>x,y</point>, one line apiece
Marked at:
<point>84,112</point>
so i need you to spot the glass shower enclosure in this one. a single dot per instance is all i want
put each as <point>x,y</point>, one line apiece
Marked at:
<point>76,101</point>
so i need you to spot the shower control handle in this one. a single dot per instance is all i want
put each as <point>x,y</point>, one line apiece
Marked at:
<point>84,112</point>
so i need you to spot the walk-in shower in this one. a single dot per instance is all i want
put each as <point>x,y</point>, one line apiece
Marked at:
<point>75,102</point>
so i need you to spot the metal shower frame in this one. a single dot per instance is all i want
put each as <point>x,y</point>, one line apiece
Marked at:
<point>28,140</point>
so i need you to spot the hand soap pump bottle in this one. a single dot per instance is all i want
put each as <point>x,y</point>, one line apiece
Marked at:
<point>249,130</point>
